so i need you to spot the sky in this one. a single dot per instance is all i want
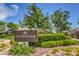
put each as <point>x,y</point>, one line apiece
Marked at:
<point>12,12</point>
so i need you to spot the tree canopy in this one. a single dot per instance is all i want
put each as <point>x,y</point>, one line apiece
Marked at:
<point>36,18</point>
<point>2,25</point>
<point>60,20</point>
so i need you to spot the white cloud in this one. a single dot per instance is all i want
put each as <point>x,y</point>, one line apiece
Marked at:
<point>15,7</point>
<point>6,11</point>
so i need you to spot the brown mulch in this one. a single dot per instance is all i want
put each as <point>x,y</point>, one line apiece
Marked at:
<point>41,51</point>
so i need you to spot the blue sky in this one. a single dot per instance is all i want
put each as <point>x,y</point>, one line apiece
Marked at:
<point>12,12</point>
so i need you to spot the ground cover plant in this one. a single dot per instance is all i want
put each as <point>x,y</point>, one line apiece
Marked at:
<point>64,51</point>
<point>3,45</point>
<point>21,49</point>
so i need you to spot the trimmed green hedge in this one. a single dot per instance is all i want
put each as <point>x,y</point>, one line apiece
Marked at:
<point>50,37</point>
<point>59,43</point>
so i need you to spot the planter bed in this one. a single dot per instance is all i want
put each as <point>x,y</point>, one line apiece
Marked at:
<point>72,50</point>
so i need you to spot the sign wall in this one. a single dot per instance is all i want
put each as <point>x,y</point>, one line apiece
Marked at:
<point>26,35</point>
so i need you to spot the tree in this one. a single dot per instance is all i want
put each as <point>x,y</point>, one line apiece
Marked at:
<point>36,19</point>
<point>2,26</point>
<point>78,21</point>
<point>60,20</point>
<point>21,23</point>
<point>12,26</point>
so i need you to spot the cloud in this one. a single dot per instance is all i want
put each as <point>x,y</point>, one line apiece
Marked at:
<point>15,7</point>
<point>6,11</point>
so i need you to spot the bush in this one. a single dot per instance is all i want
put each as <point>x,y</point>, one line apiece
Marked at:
<point>12,42</point>
<point>59,43</point>
<point>74,37</point>
<point>7,36</point>
<point>50,37</point>
<point>70,42</point>
<point>21,49</point>
<point>3,45</point>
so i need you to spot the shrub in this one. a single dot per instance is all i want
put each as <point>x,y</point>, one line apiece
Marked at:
<point>73,36</point>
<point>12,42</point>
<point>59,43</point>
<point>70,42</point>
<point>68,49</point>
<point>55,50</point>
<point>3,45</point>
<point>21,49</point>
<point>50,37</point>
<point>7,36</point>
<point>77,54</point>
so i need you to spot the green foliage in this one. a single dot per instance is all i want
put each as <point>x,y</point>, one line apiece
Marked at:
<point>59,43</point>
<point>50,37</point>
<point>70,42</point>
<point>2,25</point>
<point>77,53</point>
<point>21,50</point>
<point>12,26</point>
<point>12,42</point>
<point>3,45</point>
<point>55,50</point>
<point>66,51</point>
<point>60,20</point>
<point>74,37</point>
<point>36,18</point>
<point>4,36</point>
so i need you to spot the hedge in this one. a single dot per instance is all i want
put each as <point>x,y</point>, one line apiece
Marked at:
<point>59,43</point>
<point>50,37</point>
